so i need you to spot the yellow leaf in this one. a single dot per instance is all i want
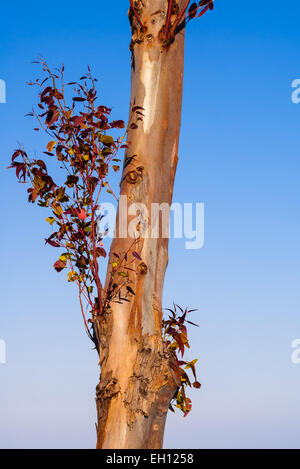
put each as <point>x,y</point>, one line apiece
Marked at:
<point>190,364</point>
<point>58,210</point>
<point>184,338</point>
<point>72,276</point>
<point>51,145</point>
<point>106,140</point>
<point>50,220</point>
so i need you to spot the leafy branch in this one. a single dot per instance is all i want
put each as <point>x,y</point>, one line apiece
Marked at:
<point>85,152</point>
<point>175,337</point>
<point>82,152</point>
<point>177,20</point>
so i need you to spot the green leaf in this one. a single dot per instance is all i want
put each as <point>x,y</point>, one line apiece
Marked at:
<point>106,140</point>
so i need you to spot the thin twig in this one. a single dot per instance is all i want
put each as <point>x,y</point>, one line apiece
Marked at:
<point>179,17</point>
<point>137,16</point>
<point>169,13</point>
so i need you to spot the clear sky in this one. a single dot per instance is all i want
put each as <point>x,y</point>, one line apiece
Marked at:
<point>239,154</point>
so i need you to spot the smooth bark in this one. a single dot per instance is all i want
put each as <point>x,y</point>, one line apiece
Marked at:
<point>137,378</point>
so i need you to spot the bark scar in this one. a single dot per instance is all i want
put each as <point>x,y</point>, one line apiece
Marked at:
<point>107,389</point>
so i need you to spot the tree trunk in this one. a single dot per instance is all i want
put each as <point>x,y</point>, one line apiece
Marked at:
<point>137,379</point>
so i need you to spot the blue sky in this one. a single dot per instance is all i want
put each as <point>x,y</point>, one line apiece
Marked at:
<point>239,154</point>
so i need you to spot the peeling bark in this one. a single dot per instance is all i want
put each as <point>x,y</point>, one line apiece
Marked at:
<point>137,380</point>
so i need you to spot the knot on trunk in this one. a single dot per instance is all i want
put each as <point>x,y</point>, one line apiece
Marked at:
<point>143,269</point>
<point>107,389</point>
<point>135,175</point>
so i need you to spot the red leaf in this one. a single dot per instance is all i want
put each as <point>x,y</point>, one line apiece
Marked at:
<point>77,120</point>
<point>59,265</point>
<point>20,168</point>
<point>82,215</point>
<point>33,195</point>
<point>204,11</point>
<point>136,255</point>
<point>207,2</point>
<point>192,10</point>
<point>46,90</point>
<point>180,344</point>
<point>100,252</point>
<point>118,124</point>
<point>193,324</point>
<point>16,154</point>
<point>69,211</point>
<point>52,243</point>
<point>52,117</point>
<point>197,385</point>
<point>41,164</point>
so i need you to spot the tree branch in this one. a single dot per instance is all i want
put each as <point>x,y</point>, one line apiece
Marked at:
<point>180,16</point>
<point>168,20</point>
<point>136,16</point>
